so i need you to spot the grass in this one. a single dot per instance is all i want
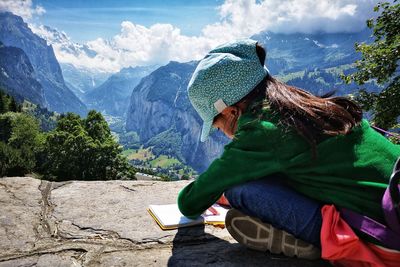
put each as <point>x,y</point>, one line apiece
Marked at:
<point>338,70</point>
<point>161,161</point>
<point>145,154</point>
<point>289,76</point>
<point>140,154</point>
<point>127,152</point>
<point>164,162</point>
<point>298,74</point>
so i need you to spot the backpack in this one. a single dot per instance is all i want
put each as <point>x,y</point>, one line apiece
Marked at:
<point>389,234</point>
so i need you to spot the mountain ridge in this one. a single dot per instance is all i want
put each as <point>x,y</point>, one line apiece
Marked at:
<point>300,51</point>
<point>112,96</point>
<point>159,106</point>
<point>17,75</point>
<point>82,80</point>
<point>58,97</point>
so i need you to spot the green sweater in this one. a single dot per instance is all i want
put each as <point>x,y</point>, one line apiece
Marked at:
<point>349,171</point>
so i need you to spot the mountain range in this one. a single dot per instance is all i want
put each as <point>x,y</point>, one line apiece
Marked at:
<point>152,99</point>
<point>14,32</point>
<point>80,79</point>
<point>288,53</point>
<point>112,97</point>
<point>17,75</point>
<point>162,116</point>
<point>98,89</point>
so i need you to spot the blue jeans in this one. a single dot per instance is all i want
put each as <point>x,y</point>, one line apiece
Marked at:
<point>277,204</point>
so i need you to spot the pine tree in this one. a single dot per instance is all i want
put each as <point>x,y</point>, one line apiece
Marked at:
<point>13,106</point>
<point>2,102</point>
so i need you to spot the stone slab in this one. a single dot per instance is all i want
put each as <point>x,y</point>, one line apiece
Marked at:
<point>105,223</point>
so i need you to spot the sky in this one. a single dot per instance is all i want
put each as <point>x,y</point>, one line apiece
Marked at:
<point>87,20</point>
<point>126,33</point>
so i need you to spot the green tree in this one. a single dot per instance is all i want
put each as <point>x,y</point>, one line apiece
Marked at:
<point>96,127</point>
<point>129,139</point>
<point>21,140</point>
<point>10,160</point>
<point>185,177</point>
<point>379,62</point>
<point>13,106</point>
<point>2,102</point>
<point>84,149</point>
<point>8,103</point>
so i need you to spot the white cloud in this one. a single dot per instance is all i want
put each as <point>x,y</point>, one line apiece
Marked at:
<point>243,18</point>
<point>160,43</point>
<point>21,8</point>
<point>136,45</point>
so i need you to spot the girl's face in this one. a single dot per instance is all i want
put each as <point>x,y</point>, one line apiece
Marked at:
<point>226,121</point>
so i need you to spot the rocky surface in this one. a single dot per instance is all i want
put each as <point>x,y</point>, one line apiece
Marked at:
<point>161,114</point>
<point>106,224</point>
<point>17,76</point>
<point>112,96</point>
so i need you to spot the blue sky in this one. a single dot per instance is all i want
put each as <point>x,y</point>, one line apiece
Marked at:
<point>121,34</point>
<point>90,19</point>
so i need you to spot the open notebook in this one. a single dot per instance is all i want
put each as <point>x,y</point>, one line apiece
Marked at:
<point>169,217</point>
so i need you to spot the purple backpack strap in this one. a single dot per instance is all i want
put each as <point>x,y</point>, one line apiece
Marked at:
<point>379,231</point>
<point>388,235</point>
<point>391,200</point>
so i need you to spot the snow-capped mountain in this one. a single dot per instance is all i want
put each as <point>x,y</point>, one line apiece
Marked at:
<point>14,32</point>
<point>112,97</point>
<point>82,80</point>
<point>61,41</point>
<point>79,78</point>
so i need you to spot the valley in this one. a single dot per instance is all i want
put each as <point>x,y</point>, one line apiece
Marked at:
<point>147,107</point>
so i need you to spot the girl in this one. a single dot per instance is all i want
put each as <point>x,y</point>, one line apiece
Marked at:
<point>291,152</point>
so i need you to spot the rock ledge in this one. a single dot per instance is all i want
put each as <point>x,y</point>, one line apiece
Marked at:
<point>105,223</point>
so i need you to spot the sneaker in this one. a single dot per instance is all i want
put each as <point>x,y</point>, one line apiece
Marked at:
<point>255,234</point>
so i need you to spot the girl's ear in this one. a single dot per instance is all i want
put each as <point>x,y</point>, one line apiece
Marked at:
<point>235,111</point>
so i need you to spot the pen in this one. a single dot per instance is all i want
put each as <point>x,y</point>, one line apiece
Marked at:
<point>213,210</point>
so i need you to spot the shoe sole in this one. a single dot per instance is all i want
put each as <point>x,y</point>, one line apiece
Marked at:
<point>256,235</point>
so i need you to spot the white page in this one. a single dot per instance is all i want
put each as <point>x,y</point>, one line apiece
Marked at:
<point>169,215</point>
<point>209,217</point>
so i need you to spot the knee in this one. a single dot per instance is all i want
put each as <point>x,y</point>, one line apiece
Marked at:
<point>228,194</point>
<point>239,196</point>
<point>233,195</point>
<point>247,190</point>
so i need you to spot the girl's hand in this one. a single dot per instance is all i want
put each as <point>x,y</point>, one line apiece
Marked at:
<point>223,201</point>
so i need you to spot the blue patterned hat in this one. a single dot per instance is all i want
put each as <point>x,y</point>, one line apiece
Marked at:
<point>223,77</point>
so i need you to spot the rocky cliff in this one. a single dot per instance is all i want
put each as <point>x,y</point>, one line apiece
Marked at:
<point>78,77</point>
<point>112,97</point>
<point>17,76</point>
<point>159,106</point>
<point>15,32</point>
<point>82,80</point>
<point>106,224</point>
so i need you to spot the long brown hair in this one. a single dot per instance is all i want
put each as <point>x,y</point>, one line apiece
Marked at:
<point>311,116</point>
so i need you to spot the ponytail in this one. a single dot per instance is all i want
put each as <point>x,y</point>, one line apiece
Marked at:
<point>309,115</point>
